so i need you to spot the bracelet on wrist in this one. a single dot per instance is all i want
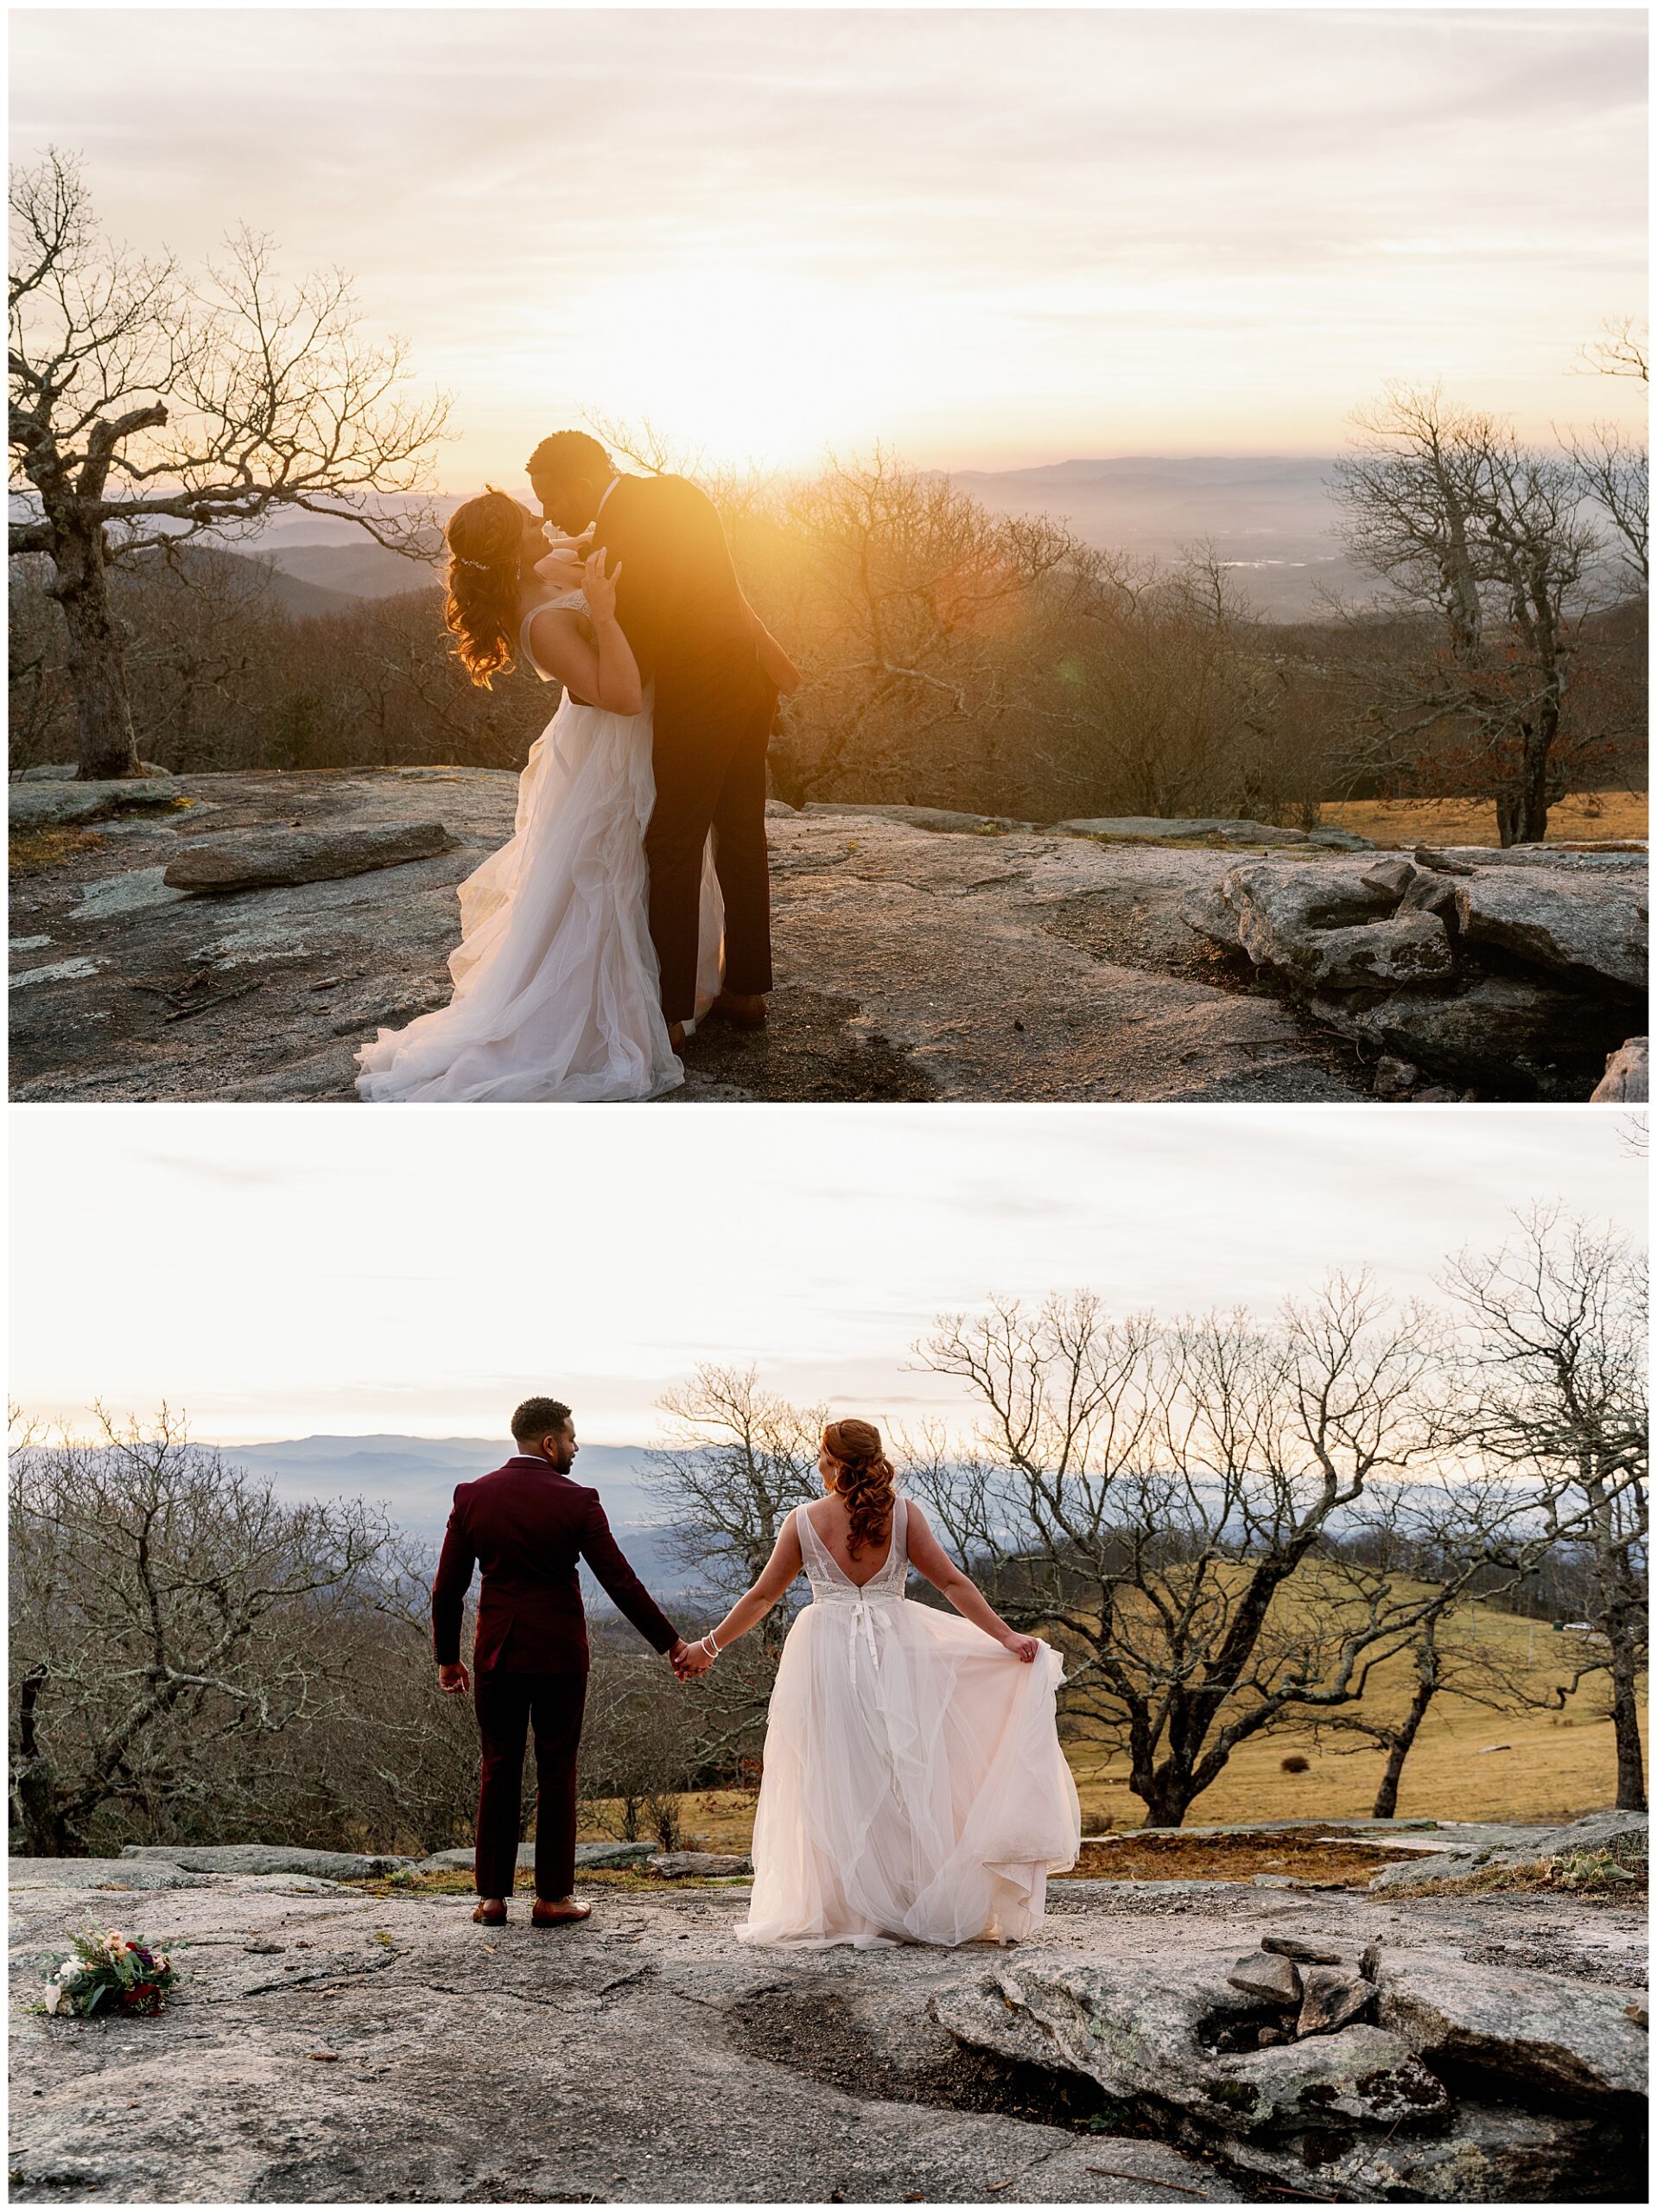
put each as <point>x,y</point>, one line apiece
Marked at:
<point>708,1645</point>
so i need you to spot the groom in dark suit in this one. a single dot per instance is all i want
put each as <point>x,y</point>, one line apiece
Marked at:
<point>692,633</point>
<point>526,1526</point>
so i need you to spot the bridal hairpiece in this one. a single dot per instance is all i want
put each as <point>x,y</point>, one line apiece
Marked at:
<point>461,562</point>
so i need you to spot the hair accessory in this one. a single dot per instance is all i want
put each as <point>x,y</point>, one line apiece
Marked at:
<point>461,562</point>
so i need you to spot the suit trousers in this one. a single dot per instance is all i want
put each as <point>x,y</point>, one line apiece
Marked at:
<point>507,1705</point>
<point>712,776</point>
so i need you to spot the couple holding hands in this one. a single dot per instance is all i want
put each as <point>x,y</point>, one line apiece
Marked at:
<point>914,1789</point>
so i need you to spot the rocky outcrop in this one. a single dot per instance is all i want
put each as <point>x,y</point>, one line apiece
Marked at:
<point>55,802</point>
<point>266,1859</point>
<point>266,859</point>
<point>1464,2084</point>
<point>1626,1079</point>
<point>1156,828</point>
<point>1462,968</point>
<point>1479,1861</point>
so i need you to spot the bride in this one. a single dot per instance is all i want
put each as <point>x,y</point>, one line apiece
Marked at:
<point>556,988</point>
<point>914,1789</point>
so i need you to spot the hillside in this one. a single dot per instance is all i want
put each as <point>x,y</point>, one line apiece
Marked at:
<point>359,570</point>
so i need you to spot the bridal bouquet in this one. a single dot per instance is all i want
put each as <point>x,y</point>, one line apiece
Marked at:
<point>120,1973</point>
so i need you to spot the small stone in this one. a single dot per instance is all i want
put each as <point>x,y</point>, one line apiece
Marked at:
<point>324,2057</point>
<point>1392,874</point>
<point>1269,2036</point>
<point>1334,1995</point>
<point>1437,1094</point>
<point>1308,1955</point>
<point>1626,1079</point>
<point>1266,1975</point>
<point>1395,1078</point>
<point>1639,2014</point>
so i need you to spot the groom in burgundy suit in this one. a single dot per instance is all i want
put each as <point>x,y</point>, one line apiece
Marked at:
<point>526,1526</point>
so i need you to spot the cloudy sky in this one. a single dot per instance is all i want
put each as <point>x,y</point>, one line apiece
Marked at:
<point>986,238</point>
<point>279,1272</point>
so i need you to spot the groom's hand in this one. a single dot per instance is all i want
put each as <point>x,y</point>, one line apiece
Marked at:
<point>454,1680</point>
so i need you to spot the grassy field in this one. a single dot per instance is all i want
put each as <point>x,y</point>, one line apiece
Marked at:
<point>1467,1763</point>
<point>1591,814</point>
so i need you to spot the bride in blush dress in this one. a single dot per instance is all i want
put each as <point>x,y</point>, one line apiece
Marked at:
<point>556,984</point>
<point>914,1789</point>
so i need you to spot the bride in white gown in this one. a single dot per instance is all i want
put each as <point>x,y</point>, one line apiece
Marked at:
<point>556,991</point>
<point>914,1789</point>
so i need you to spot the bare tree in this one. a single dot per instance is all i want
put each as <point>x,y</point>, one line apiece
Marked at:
<point>1487,538</point>
<point>738,1460</point>
<point>1160,1499</point>
<point>1556,1391</point>
<point>167,1616</point>
<point>148,406</point>
<point>1614,465</point>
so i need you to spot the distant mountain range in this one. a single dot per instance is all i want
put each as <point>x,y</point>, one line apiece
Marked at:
<point>1268,516</point>
<point>414,1477</point>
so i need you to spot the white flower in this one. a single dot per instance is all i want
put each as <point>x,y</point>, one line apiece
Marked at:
<point>56,1993</point>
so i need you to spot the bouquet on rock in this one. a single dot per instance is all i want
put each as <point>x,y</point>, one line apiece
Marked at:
<point>111,1972</point>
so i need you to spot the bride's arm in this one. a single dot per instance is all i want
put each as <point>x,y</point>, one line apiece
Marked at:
<point>929,1560</point>
<point>780,1570</point>
<point>595,663</point>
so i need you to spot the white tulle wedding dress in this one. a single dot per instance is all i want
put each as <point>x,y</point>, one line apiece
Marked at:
<point>557,989</point>
<point>914,1789</point>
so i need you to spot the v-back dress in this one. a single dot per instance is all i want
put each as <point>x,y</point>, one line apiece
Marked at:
<point>556,986</point>
<point>914,1789</point>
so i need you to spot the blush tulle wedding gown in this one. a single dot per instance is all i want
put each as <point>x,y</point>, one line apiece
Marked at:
<point>914,1789</point>
<point>556,988</point>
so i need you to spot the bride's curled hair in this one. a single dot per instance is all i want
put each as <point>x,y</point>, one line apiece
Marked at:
<point>485,538</point>
<point>864,1477</point>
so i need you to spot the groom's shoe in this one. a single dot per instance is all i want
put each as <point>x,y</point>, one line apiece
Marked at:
<point>676,1036</point>
<point>559,1912</point>
<point>491,1911</point>
<point>742,1009</point>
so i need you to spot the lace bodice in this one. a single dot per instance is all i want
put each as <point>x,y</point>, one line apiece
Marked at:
<point>831,1585</point>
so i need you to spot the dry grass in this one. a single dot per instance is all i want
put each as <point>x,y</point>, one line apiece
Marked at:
<point>32,852</point>
<point>1584,815</point>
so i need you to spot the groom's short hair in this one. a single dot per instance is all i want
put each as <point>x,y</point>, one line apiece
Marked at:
<point>569,454</point>
<point>538,1417</point>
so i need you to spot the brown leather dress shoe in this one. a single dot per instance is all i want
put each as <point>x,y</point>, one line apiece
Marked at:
<point>562,1914</point>
<point>742,1010</point>
<point>491,1912</point>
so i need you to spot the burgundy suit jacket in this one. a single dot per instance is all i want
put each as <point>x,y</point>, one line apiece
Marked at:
<point>526,1526</point>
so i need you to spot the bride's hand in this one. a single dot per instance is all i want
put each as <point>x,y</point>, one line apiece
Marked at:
<point>600,588</point>
<point>1022,1647</point>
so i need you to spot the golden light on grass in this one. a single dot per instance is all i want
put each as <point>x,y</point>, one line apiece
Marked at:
<point>1590,816</point>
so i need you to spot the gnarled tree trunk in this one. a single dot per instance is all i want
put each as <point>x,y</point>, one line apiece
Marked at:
<point>96,669</point>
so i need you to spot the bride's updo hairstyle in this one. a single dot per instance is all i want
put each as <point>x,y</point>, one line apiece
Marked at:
<point>864,1477</point>
<point>485,537</point>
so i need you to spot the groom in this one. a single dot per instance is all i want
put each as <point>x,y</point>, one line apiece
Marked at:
<point>526,1525</point>
<point>683,611</point>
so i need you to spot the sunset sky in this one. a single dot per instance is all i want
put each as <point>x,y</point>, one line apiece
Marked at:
<point>987,239</point>
<point>278,1273</point>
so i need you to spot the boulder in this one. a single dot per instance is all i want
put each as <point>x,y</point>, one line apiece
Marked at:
<point>1334,1995</point>
<point>681,1866</point>
<point>1146,828</point>
<point>1496,1023</point>
<point>1578,926</point>
<point>1341,840</point>
<point>1626,1079</point>
<point>53,804</point>
<point>1304,1953</point>
<point>1267,1975</point>
<point>1405,952</point>
<point>1472,1861</point>
<point>265,859</point>
<point>268,1858</point>
<point>613,1855</point>
<point>1566,2038</point>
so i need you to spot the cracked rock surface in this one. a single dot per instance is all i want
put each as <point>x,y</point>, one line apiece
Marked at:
<point>918,955</point>
<point>329,2045</point>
